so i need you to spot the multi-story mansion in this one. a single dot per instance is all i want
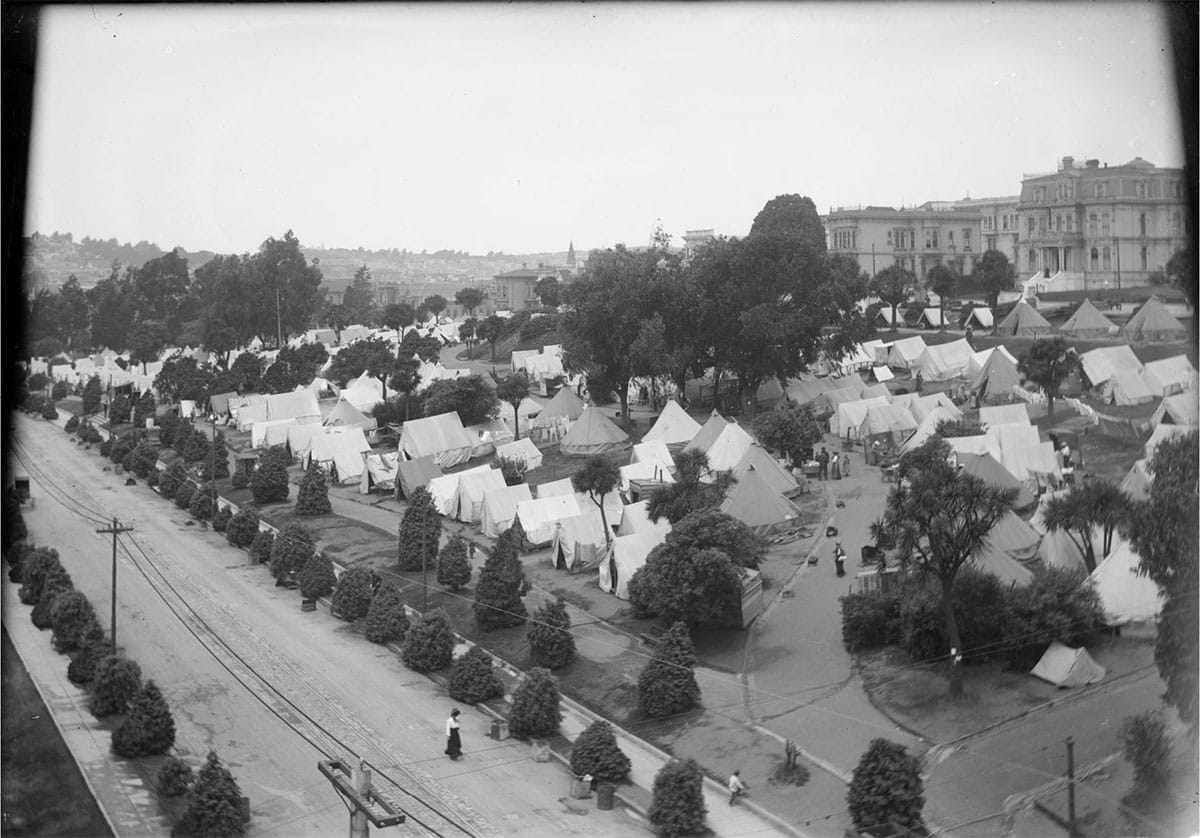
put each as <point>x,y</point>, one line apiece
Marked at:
<point>1082,226</point>
<point>1103,226</point>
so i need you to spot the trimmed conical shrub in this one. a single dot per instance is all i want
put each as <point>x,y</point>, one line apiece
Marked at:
<point>429,644</point>
<point>242,527</point>
<point>262,546</point>
<point>203,503</point>
<point>473,678</point>
<point>220,521</point>
<point>313,497</point>
<point>886,787</point>
<point>387,621</point>
<point>74,622</point>
<point>317,577</point>
<point>535,706</point>
<point>149,727</point>
<point>677,807</point>
<point>269,482</point>
<point>175,777</point>
<point>667,684</point>
<point>183,494</point>
<point>57,582</point>
<point>293,547</point>
<point>352,596</point>
<point>420,532</point>
<point>454,566</point>
<point>115,682</point>
<point>34,569</point>
<point>550,639</point>
<point>596,752</point>
<point>214,804</point>
<point>82,668</point>
<point>501,585</point>
<point>216,459</point>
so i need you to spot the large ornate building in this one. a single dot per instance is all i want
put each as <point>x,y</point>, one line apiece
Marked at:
<point>1080,227</point>
<point>1096,226</point>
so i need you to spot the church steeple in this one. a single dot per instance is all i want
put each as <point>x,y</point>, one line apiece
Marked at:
<point>571,255</point>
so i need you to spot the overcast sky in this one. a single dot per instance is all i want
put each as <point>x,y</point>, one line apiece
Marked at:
<point>522,127</point>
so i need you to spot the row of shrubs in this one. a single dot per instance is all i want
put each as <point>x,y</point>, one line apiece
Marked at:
<point>996,621</point>
<point>115,688</point>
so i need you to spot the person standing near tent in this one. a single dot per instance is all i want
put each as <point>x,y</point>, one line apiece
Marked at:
<point>453,741</point>
<point>823,461</point>
<point>836,466</point>
<point>845,465</point>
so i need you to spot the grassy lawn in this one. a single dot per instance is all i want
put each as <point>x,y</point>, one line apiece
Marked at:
<point>43,791</point>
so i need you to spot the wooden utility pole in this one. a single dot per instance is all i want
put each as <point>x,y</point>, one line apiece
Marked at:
<point>116,529</point>
<point>367,808</point>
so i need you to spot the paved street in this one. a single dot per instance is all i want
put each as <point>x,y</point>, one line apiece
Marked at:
<point>326,677</point>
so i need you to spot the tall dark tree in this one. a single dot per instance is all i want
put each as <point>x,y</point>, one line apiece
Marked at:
<point>114,684</point>
<point>469,396</point>
<point>939,519</point>
<point>1096,502</point>
<point>513,390</point>
<point>373,356</point>
<point>1048,363</point>
<point>429,643</point>
<point>598,479</point>
<point>182,378</point>
<point>144,409</point>
<point>501,586</point>
<point>113,309</point>
<point>454,566</point>
<point>550,641</point>
<point>359,298</point>
<point>160,290</point>
<point>73,621</point>
<point>287,286</point>
<point>1164,532</point>
<point>473,678</point>
<point>994,273</point>
<point>215,465</point>
<point>490,329</point>
<point>73,315</point>
<point>269,482</point>
<point>313,497</point>
<point>792,431</point>
<point>535,713</point>
<point>549,292</point>
<point>397,316</point>
<point>420,532</point>
<point>146,341</point>
<point>213,804</point>
<point>92,392</point>
<point>677,807</point>
<point>387,621</point>
<point>792,217</point>
<point>470,299</point>
<point>886,792</point>
<point>148,729</point>
<point>943,281</point>
<point>667,684</point>
<point>317,578</point>
<point>435,304</point>
<point>293,547</point>
<point>352,596</point>
<point>894,285</point>
<point>596,752</point>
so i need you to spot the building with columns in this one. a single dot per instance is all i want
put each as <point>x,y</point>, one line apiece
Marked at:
<point>998,227</point>
<point>1099,226</point>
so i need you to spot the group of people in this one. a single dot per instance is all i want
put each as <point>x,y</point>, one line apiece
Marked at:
<point>836,464</point>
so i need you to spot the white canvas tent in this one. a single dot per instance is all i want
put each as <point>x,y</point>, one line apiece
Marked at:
<point>944,361</point>
<point>850,415</point>
<point>923,406</point>
<point>246,410</point>
<point>1011,545</point>
<point>1024,321</point>
<point>556,487</point>
<point>521,450</point>
<point>539,517</point>
<point>300,405</point>
<point>654,452</point>
<point>1170,375</point>
<point>673,426</point>
<point>558,415</point>
<point>1125,596</point>
<point>927,428</point>
<point>444,489</point>
<point>344,414</point>
<point>980,316</point>
<point>579,542</point>
<point>1180,409</point>
<point>467,505</point>
<point>644,470</point>
<point>340,452</point>
<point>1065,667</point>
<point>887,423</point>
<point>777,478</point>
<point>487,435</point>
<point>905,352</point>
<point>415,474</point>
<point>363,398</point>
<point>882,373</point>
<point>1152,322</point>
<point>752,501</point>
<point>592,434</point>
<point>636,518</point>
<point>931,317</point>
<point>271,432</point>
<point>1087,322</point>
<point>708,433</point>
<point>1032,462</point>
<point>1127,388</point>
<point>981,444</point>
<point>299,439</point>
<point>728,448</point>
<point>1161,433</point>
<point>1137,481</point>
<point>1013,435</point>
<point>1099,365</point>
<point>380,472</point>
<point>997,377</point>
<point>626,557</point>
<point>500,508</point>
<point>1004,414</point>
<point>442,436</point>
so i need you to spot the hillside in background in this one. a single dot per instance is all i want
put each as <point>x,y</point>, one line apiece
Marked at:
<point>50,259</point>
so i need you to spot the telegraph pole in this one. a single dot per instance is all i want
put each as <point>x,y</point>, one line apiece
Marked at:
<point>1071,831</point>
<point>116,529</point>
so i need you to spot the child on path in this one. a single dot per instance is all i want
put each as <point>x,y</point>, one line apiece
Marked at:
<point>736,787</point>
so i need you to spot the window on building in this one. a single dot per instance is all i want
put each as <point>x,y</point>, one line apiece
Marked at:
<point>1032,259</point>
<point>990,243</point>
<point>1101,189</point>
<point>1105,225</point>
<point>967,238</point>
<point>1092,225</point>
<point>1178,190</point>
<point>1141,189</point>
<point>1176,226</point>
<point>1058,223</point>
<point>1143,258</point>
<point>1095,259</point>
<point>950,237</point>
<point>1005,222</point>
<point>1032,224</point>
<point>1070,223</point>
<point>1142,224</point>
<point>1107,259</point>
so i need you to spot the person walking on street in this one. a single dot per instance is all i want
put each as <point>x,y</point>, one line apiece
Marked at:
<point>736,787</point>
<point>823,460</point>
<point>845,465</point>
<point>836,466</point>
<point>453,742</point>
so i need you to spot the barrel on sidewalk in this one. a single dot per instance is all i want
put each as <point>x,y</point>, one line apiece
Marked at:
<point>605,793</point>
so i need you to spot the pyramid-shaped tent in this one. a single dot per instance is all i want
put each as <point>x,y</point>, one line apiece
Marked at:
<point>415,474</point>
<point>1024,321</point>
<point>592,434</point>
<point>673,426</point>
<point>1152,322</point>
<point>1063,666</point>
<point>1011,545</point>
<point>996,380</point>
<point>760,461</point>
<point>346,415</point>
<point>1088,322</point>
<point>564,406</point>
<point>1180,409</point>
<point>1125,596</point>
<point>752,502</point>
<point>988,469</point>
<point>707,434</point>
<point>728,448</point>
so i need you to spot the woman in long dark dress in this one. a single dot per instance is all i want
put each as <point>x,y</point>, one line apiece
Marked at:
<point>453,742</point>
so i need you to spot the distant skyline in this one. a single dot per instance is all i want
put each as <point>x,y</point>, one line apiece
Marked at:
<point>520,128</point>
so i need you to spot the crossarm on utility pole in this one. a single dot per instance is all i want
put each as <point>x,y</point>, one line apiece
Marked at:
<point>354,785</point>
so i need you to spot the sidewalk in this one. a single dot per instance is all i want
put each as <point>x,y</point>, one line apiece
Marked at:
<point>119,791</point>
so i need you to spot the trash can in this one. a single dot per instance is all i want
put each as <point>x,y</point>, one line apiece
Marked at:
<point>605,793</point>
<point>580,788</point>
<point>499,729</point>
<point>541,750</point>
